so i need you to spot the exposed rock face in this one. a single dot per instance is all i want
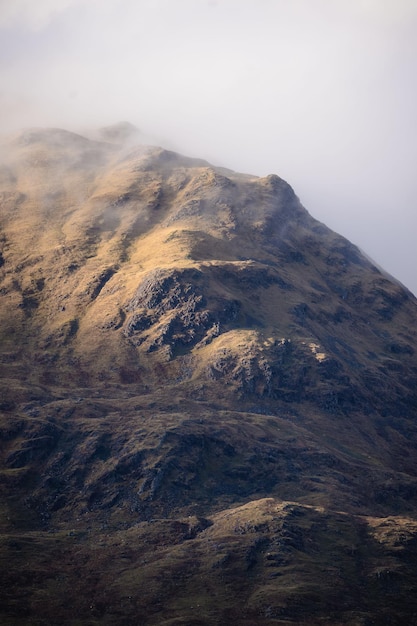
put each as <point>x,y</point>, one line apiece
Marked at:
<point>195,369</point>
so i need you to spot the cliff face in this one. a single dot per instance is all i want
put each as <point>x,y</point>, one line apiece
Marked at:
<point>195,369</point>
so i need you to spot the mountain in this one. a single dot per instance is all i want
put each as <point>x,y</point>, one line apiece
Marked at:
<point>208,398</point>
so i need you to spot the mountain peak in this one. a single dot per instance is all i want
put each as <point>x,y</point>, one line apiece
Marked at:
<point>199,377</point>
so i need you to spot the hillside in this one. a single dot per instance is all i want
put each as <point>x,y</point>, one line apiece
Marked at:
<point>208,398</point>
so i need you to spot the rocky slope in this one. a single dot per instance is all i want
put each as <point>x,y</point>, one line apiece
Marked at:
<point>208,398</point>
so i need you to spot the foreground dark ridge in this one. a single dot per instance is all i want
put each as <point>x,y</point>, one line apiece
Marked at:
<point>208,398</point>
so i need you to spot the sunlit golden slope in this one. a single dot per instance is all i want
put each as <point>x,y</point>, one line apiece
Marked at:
<point>205,394</point>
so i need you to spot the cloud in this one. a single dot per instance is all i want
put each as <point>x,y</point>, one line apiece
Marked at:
<point>386,10</point>
<point>29,14</point>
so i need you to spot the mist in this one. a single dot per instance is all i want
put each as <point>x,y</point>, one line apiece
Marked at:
<point>320,92</point>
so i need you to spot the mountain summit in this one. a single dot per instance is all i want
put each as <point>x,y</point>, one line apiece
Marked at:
<point>208,398</point>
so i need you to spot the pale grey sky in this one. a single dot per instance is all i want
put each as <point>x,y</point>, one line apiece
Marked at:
<point>320,92</point>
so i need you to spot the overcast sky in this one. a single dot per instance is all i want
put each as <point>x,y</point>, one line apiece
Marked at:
<point>320,92</point>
